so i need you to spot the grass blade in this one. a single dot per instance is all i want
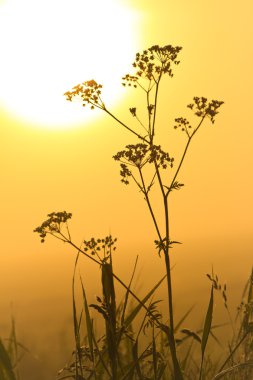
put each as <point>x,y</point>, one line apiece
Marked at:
<point>206,330</point>
<point>136,360</point>
<point>110,321</point>
<point>250,302</point>
<point>233,369</point>
<point>154,354</point>
<point>6,370</point>
<point>129,319</point>
<point>88,322</point>
<point>76,326</point>
<point>127,293</point>
<point>183,318</point>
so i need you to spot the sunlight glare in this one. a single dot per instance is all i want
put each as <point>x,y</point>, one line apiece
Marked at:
<point>49,46</point>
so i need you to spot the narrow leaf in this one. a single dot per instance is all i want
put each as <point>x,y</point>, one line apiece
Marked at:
<point>136,360</point>
<point>88,322</point>
<point>183,319</point>
<point>5,364</point>
<point>207,324</point>
<point>136,310</point>
<point>191,334</point>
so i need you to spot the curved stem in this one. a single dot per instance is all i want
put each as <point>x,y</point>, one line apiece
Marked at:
<point>125,126</point>
<point>155,107</point>
<point>233,351</point>
<point>183,156</point>
<point>232,369</point>
<point>149,115</point>
<point>149,205</point>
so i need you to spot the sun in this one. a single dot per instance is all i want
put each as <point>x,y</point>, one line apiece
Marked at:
<point>51,45</point>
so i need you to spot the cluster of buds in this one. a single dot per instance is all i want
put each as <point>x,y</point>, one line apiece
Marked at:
<point>140,154</point>
<point>220,288</point>
<point>159,157</point>
<point>130,80</point>
<point>133,111</point>
<point>203,108</point>
<point>182,123</point>
<point>152,63</point>
<point>135,155</point>
<point>89,92</point>
<point>53,224</point>
<point>96,246</point>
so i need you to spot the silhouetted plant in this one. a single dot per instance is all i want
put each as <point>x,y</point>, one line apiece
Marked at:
<point>150,67</point>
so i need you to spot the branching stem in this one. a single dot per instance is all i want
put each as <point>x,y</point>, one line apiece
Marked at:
<point>183,156</point>
<point>143,138</point>
<point>149,205</point>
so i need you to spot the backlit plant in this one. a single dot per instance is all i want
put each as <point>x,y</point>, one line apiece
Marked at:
<point>150,67</point>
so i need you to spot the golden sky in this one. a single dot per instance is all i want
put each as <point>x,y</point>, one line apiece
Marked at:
<point>71,168</point>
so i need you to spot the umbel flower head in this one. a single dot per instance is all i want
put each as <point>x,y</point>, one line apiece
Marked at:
<point>53,224</point>
<point>140,154</point>
<point>202,107</point>
<point>152,63</point>
<point>89,92</point>
<point>98,246</point>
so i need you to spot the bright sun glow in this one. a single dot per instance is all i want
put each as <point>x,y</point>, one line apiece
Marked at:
<point>48,46</point>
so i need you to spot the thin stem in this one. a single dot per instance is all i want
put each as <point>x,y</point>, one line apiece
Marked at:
<point>149,205</point>
<point>231,369</point>
<point>149,115</point>
<point>171,337</point>
<point>172,343</point>
<point>170,293</point>
<point>233,351</point>
<point>67,227</point>
<point>183,156</point>
<point>125,126</point>
<point>159,179</point>
<point>155,107</point>
<point>140,122</point>
<point>137,183</point>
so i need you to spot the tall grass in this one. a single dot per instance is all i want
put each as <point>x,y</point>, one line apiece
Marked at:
<point>119,353</point>
<point>11,353</point>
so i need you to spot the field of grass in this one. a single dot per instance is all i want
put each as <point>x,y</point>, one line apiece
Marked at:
<point>133,341</point>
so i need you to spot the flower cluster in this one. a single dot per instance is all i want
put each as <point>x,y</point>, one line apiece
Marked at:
<point>125,173</point>
<point>89,92</point>
<point>133,111</point>
<point>160,157</point>
<point>53,224</point>
<point>220,288</point>
<point>130,80</point>
<point>150,108</point>
<point>102,307</point>
<point>182,123</point>
<point>134,154</point>
<point>96,246</point>
<point>204,108</point>
<point>153,62</point>
<point>138,155</point>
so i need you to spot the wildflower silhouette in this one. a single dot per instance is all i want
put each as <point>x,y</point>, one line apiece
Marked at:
<point>150,67</point>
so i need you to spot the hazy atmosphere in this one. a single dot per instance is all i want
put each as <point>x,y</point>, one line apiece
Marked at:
<point>57,155</point>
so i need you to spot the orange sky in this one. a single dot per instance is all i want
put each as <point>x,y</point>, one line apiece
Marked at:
<point>45,170</point>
